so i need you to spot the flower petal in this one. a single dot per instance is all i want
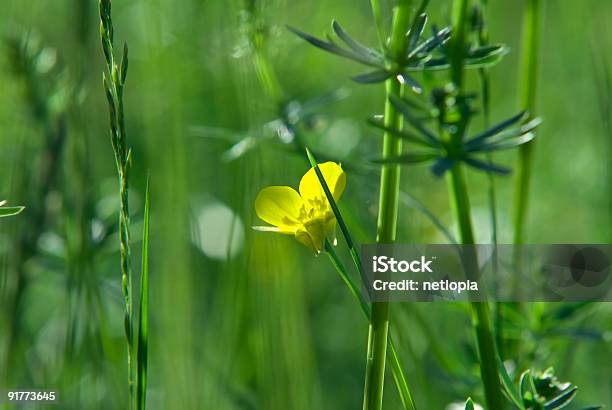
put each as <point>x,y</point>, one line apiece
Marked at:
<point>288,230</point>
<point>310,186</point>
<point>279,206</point>
<point>303,237</point>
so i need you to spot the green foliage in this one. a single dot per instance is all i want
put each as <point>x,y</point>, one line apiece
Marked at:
<point>10,210</point>
<point>446,153</point>
<point>114,83</point>
<point>543,391</point>
<point>222,100</point>
<point>143,316</point>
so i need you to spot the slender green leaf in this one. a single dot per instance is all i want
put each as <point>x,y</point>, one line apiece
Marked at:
<point>403,134</point>
<point>405,78</point>
<point>348,279</point>
<point>143,326</point>
<point>416,30</point>
<point>469,404</point>
<point>416,124</point>
<point>486,50</point>
<point>561,400</point>
<point>10,210</point>
<point>374,56</point>
<point>506,144</point>
<point>487,166</point>
<point>426,47</point>
<point>333,48</point>
<point>377,76</point>
<point>496,129</point>
<point>343,227</point>
<point>506,135</point>
<point>526,384</point>
<point>509,388</point>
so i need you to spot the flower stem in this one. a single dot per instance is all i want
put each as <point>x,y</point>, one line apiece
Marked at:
<point>461,206</point>
<point>481,319</point>
<point>527,101</point>
<point>387,217</point>
<point>394,360</point>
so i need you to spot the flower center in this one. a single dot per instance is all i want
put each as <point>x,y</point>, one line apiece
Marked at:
<point>314,208</point>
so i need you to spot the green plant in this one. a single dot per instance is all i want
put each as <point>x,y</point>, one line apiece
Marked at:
<point>543,391</point>
<point>9,210</point>
<point>532,27</point>
<point>114,83</point>
<point>47,91</point>
<point>449,151</point>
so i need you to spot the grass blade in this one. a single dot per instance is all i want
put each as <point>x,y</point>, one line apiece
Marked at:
<point>143,326</point>
<point>10,210</point>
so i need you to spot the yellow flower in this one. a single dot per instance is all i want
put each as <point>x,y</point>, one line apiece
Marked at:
<point>307,215</point>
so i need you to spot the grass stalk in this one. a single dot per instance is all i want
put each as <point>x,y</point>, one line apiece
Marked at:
<point>528,94</point>
<point>387,216</point>
<point>527,101</point>
<point>461,206</point>
<point>114,82</point>
<point>485,87</point>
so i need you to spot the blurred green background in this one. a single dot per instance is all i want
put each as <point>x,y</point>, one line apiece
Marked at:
<point>243,319</point>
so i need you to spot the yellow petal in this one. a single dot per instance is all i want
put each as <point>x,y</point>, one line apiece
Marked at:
<point>279,206</point>
<point>314,232</point>
<point>310,187</point>
<point>303,237</point>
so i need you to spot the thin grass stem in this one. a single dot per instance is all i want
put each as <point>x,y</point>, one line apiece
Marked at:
<point>114,82</point>
<point>528,95</point>
<point>528,101</point>
<point>460,203</point>
<point>387,216</point>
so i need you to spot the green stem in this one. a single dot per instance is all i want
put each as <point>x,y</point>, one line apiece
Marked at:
<point>377,13</point>
<point>114,82</point>
<point>461,206</point>
<point>527,101</point>
<point>483,39</point>
<point>387,217</point>
<point>394,360</point>
<point>481,320</point>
